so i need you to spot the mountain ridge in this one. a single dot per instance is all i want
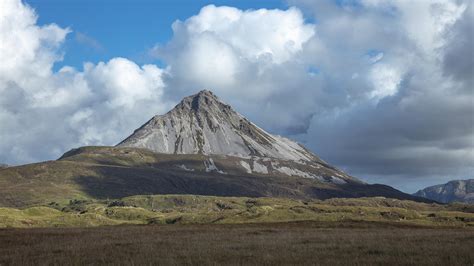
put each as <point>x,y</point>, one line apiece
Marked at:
<point>455,190</point>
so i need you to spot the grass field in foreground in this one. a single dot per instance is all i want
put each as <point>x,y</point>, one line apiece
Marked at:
<point>314,243</point>
<point>192,209</point>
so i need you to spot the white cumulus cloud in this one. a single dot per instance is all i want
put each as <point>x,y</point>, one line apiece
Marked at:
<point>254,33</point>
<point>385,80</point>
<point>250,57</point>
<point>44,113</point>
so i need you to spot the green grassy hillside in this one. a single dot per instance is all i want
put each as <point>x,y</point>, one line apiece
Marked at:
<point>192,209</point>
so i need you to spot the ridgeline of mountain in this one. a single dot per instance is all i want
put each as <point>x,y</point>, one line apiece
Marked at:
<point>202,124</point>
<point>201,147</point>
<point>453,191</point>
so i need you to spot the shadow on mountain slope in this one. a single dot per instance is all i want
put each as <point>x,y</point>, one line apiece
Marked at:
<point>118,182</point>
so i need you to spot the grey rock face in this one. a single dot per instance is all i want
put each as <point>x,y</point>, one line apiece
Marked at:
<point>201,124</point>
<point>458,190</point>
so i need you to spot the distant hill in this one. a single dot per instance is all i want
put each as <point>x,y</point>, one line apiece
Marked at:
<point>453,191</point>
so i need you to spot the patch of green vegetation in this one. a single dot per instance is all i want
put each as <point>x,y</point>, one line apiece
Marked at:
<point>193,209</point>
<point>49,217</point>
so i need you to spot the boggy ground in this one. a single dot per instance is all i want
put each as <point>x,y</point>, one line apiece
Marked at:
<point>310,243</point>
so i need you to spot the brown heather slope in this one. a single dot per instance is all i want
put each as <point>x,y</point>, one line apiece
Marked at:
<point>112,173</point>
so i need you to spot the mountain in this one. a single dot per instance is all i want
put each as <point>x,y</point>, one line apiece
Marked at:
<point>453,191</point>
<point>2,165</point>
<point>202,124</point>
<point>201,147</point>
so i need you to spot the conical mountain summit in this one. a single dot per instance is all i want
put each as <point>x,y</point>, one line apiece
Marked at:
<point>202,124</point>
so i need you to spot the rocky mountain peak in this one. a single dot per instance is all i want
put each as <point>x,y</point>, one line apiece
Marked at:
<point>202,124</point>
<point>201,101</point>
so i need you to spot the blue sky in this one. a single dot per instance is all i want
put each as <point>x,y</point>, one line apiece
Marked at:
<point>382,89</point>
<point>104,29</point>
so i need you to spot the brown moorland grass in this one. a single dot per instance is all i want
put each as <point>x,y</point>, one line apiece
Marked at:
<point>309,243</point>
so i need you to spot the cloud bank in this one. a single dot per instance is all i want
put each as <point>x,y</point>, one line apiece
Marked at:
<point>420,127</point>
<point>45,113</point>
<point>382,89</point>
